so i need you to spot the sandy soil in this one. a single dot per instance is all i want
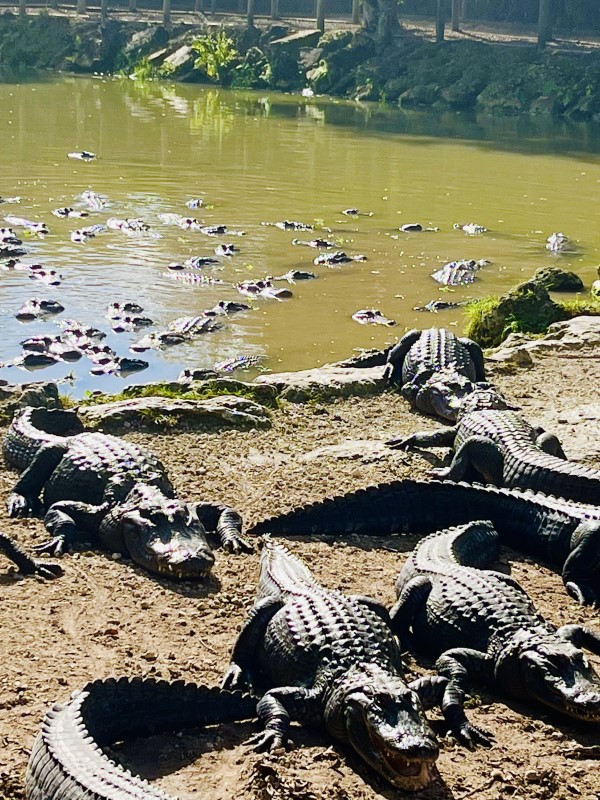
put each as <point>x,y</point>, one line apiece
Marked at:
<point>107,617</point>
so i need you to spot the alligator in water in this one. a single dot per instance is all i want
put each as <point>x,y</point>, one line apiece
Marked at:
<point>563,533</point>
<point>332,659</point>
<point>67,761</point>
<point>117,490</point>
<point>483,625</point>
<point>435,370</point>
<point>498,445</point>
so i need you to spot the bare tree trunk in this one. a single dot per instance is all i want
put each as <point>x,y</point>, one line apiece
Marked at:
<point>321,15</point>
<point>440,21</point>
<point>456,4</point>
<point>380,19</point>
<point>545,22</point>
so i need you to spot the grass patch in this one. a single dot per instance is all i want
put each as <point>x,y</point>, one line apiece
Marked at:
<point>261,393</point>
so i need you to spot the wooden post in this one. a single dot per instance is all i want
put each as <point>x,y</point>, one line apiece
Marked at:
<point>545,22</point>
<point>54,4</point>
<point>355,12</point>
<point>440,21</point>
<point>103,13</point>
<point>81,6</point>
<point>213,6</point>
<point>321,15</point>
<point>198,5</point>
<point>22,8</point>
<point>166,13</point>
<point>133,5</point>
<point>456,4</point>
<point>250,14</point>
<point>274,9</point>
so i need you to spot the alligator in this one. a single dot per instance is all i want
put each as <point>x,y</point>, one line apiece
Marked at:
<point>458,273</point>
<point>435,370</point>
<point>558,531</point>
<point>332,659</point>
<point>67,760</point>
<point>494,443</point>
<point>115,490</point>
<point>482,624</point>
<point>25,563</point>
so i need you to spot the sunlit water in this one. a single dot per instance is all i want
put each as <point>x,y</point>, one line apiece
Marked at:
<point>262,158</point>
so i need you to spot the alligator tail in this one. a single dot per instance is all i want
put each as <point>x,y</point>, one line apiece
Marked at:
<point>67,761</point>
<point>281,572</point>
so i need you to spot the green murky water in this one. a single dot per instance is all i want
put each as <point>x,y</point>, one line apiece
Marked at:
<point>262,158</point>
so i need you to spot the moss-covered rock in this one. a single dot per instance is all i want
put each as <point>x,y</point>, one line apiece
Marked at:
<point>556,279</point>
<point>528,308</point>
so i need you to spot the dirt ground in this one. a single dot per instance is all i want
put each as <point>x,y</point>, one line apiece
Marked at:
<point>107,617</point>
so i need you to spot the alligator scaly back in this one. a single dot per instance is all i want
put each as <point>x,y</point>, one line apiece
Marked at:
<point>281,573</point>
<point>67,760</point>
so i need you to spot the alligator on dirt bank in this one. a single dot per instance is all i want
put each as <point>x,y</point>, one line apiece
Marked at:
<point>563,533</point>
<point>435,370</point>
<point>332,659</point>
<point>499,446</point>
<point>486,627</point>
<point>67,761</point>
<point>114,489</point>
<point>26,564</point>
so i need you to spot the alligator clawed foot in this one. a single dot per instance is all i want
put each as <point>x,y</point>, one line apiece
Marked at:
<point>582,594</point>
<point>238,545</point>
<point>233,678</point>
<point>54,547</point>
<point>21,506</point>
<point>48,570</point>
<point>267,741</point>
<point>470,736</point>
<point>398,444</point>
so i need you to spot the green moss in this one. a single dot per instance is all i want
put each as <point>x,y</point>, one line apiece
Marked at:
<point>203,390</point>
<point>526,309</point>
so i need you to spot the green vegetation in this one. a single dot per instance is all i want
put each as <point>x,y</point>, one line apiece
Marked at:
<point>218,56</point>
<point>526,309</point>
<point>217,387</point>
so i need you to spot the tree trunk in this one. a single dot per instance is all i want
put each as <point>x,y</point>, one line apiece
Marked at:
<point>440,21</point>
<point>103,13</point>
<point>250,14</point>
<point>456,4</point>
<point>545,22</point>
<point>166,13</point>
<point>321,15</point>
<point>380,19</point>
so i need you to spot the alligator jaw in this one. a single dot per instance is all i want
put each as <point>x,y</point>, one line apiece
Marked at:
<point>391,734</point>
<point>168,539</point>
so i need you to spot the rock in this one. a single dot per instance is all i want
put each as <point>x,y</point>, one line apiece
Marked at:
<point>40,395</point>
<point>284,54</point>
<point>526,308</point>
<point>186,388</point>
<point>180,63</point>
<point>556,279</point>
<point>166,413</point>
<point>326,383</point>
<point>364,359</point>
<point>572,334</point>
<point>544,106</point>
<point>595,290</point>
<point>146,41</point>
<point>365,450</point>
